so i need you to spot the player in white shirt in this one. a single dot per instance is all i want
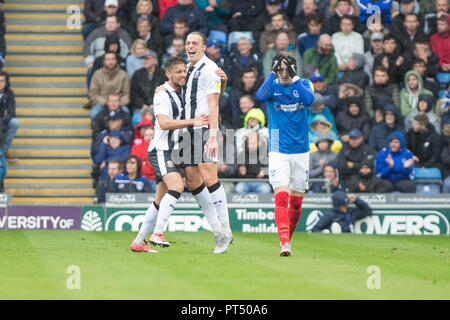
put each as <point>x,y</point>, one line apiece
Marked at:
<point>199,145</point>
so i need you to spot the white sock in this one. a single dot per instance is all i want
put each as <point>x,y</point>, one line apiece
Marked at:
<point>148,225</point>
<point>165,210</point>
<point>219,198</point>
<point>205,203</point>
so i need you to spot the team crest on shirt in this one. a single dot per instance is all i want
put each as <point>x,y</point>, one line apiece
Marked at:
<point>197,74</point>
<point>295,93</point>
<point>139,186</point>
<point>169,164</point>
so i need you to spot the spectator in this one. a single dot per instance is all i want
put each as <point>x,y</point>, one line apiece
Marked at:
<point>342,218</point>
<point>346,42</point>
<point>318,126</point>
<point>109,79</point>
<point>395,165</point>
<point>445,163</point>
<point>102,118</point>
<point>152,38</point>
<point>410,32</point>
<point>184,9</point>
<point>354,117</point>
<point>410,94</point>
<point>398,23</point>
<point>440,42</point>
<point>143,125</point>
<point>367,10</point>
<point>309,8</point>
<point>318,107</point>
<point>132,181</point>
<point>180,30</point>
<point>352,154</point>
<point>140,150</point>
<point>380,88</point>
<point>93,10</point>
<point>215,12</point>
<point>253,167</point>
<point>144,83</point>
<point>215,51</point>
<point>423,51</point>
<point>323,156</point>
<point>164,5</point>
<point>10,123</point>
<point>272,6</point>
<point>282,46</point>
<point>143,11</point>
<point>424,142</point>
<point>323,57</point>
<point>112,147</point>
<point>244,57</point>
<point>376,48</point>
<point>246,102</point>
<point>309,39</point>
<point>391,59</point>
<point>355,73</point>
<point>95,43</point>
<point>114,8</point>
<point>338,9</point>
<point>392,122</point>
<point>345,91</point>
<point>442,8</point>
<point>428,83</point>
<point>254,121</point>
<point>176,50</point>
<point>331,173</point>
<point>135,60</point>
<point>115,168</point>
<point>248,85</point>
<point>112,44</point>
<point>366,181</point>
<point>321,87</point>
<point>425,106</point>
<point>243,13</point>
<point>278,23</point>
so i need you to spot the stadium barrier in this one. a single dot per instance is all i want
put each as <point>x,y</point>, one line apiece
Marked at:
<point>397,214</point>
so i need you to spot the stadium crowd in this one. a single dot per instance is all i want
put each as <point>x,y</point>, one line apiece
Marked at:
<point>381,108</point>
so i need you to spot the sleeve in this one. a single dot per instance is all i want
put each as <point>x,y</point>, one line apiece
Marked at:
<point>363,210</point>
<point>381,165</point>
<point>324,222</point>
<point>212,82</point>
<point>264,92</point>
<point>306,91</point>
<point>161,103</point>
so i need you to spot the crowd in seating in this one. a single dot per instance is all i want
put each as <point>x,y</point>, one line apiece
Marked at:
<point>381,108</point>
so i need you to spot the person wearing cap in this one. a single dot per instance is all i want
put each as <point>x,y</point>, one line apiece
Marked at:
<point>352,154</point>
<point>115,8</point>
<point>309,39</point>
<point>376,48</point>
<point>93,10</point>
<point>425,106</point>
<point>319,107</point>
<point>319,125</point>
<point>392,121</point>
<point>144,83</point>
<point>395,165</point>
<point>424,142</point>
<point>366,181</point>
<point>354,117</point>
<point>355,73</point>
<point>338,9</point>
<point>215,50</point>
<point>323,57</point>
<point>323,156</point>
<point>272,6</point>
<point>342,217</point>
<point>278,22</point>
<point>184,9</point>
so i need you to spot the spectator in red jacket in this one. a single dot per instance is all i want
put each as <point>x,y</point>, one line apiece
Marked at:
<point>140,150</point>
<point>440,42</point>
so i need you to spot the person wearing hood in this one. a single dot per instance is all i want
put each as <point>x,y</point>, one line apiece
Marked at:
<point>355,73</point>
<point>392,121</point>
<point>395,165</point>
<point>344,92</point>
<point>254,120</point>
<point>354,117</point>
<point>366,181</point>
<point>424,142</point>
<point>140,150</point>
<point>331,173</point>
<point>132,180</point>
<point>282,46</point>
<point>319,107</point>
<point>143,125</point>
<point>322,157</point>
<point>338,9</point>
<point>112,147</point>
<point>409,96</point>
<point>184,9</point>
<point>424,106</point>
<point>10,124</point>
<point>352,154</point>
<point>342,217</point>
<point>319,125</point>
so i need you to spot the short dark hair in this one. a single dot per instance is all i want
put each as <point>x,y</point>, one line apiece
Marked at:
<point>389,36</point>
<point>443,18</point>
<point>422,119</point>
<point>118,162</point>
<point>411,14</point>
<point>315,18</point>
<point>181,21</point>
<point>109,52</point>
<point>3,74</point>
<point>421,38</point>
<point>380,68</point>
<point>348,17</point>
<point>278,13</point>
<point>172,61</point>
<point>419,61</point>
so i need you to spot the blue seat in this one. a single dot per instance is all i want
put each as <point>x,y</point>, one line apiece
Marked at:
<point>234,36</point>
<point>427,173</point>
<point>442,94</point>
<point>428,180</point>
<point>339,75</point>
<point>443,79</point>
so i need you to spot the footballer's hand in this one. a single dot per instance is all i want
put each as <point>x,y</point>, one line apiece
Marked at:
<point>212,148</point>
<point>222,74</point>
<point>276,62</point>
<point>292,65</point>
<point>160,89</point>
<point>201,120</point>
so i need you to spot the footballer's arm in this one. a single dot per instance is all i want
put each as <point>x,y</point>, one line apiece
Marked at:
<point>166,123</point>
<point>264,92</point>
<point>212,145</point>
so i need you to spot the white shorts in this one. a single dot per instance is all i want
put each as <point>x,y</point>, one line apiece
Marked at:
<point>290,170</point>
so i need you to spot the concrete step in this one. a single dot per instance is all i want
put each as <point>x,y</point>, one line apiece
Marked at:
<point>45,182</point>
<point>47,164</point>
<point>76,200</point>
<point>55,92</point>
<point>66,71</point>
<point>51,191</point>
<point>38,143</point>
<point>50,153</point>
<point>41,48</point>
<point>59,112</point>
<point>45,61</point>
<point>54,173</point>
<point>54,133</point>
<point>18,6</point>
<point>19,28</point>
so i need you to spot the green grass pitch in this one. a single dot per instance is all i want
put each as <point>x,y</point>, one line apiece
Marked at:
<point>33,265</point>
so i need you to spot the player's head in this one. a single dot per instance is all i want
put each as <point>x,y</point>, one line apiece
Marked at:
<point>195,46</point>
<point>283,72</point>
<point>176,71</point>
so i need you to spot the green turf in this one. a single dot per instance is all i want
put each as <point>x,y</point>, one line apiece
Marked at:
<point>33,265</point>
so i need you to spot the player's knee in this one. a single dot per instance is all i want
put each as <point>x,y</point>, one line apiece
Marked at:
<point>179,187</point>
<point>295,203</point>
<point>282,199</point>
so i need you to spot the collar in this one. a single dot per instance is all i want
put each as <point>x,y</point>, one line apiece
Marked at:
<point>199,62</point>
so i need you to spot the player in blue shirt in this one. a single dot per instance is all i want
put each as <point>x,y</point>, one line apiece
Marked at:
<point>288,98</point>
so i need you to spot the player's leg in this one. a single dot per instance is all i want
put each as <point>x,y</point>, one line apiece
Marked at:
<point>298,185</point>
<point>175,186</point>
<point>279,172</point>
